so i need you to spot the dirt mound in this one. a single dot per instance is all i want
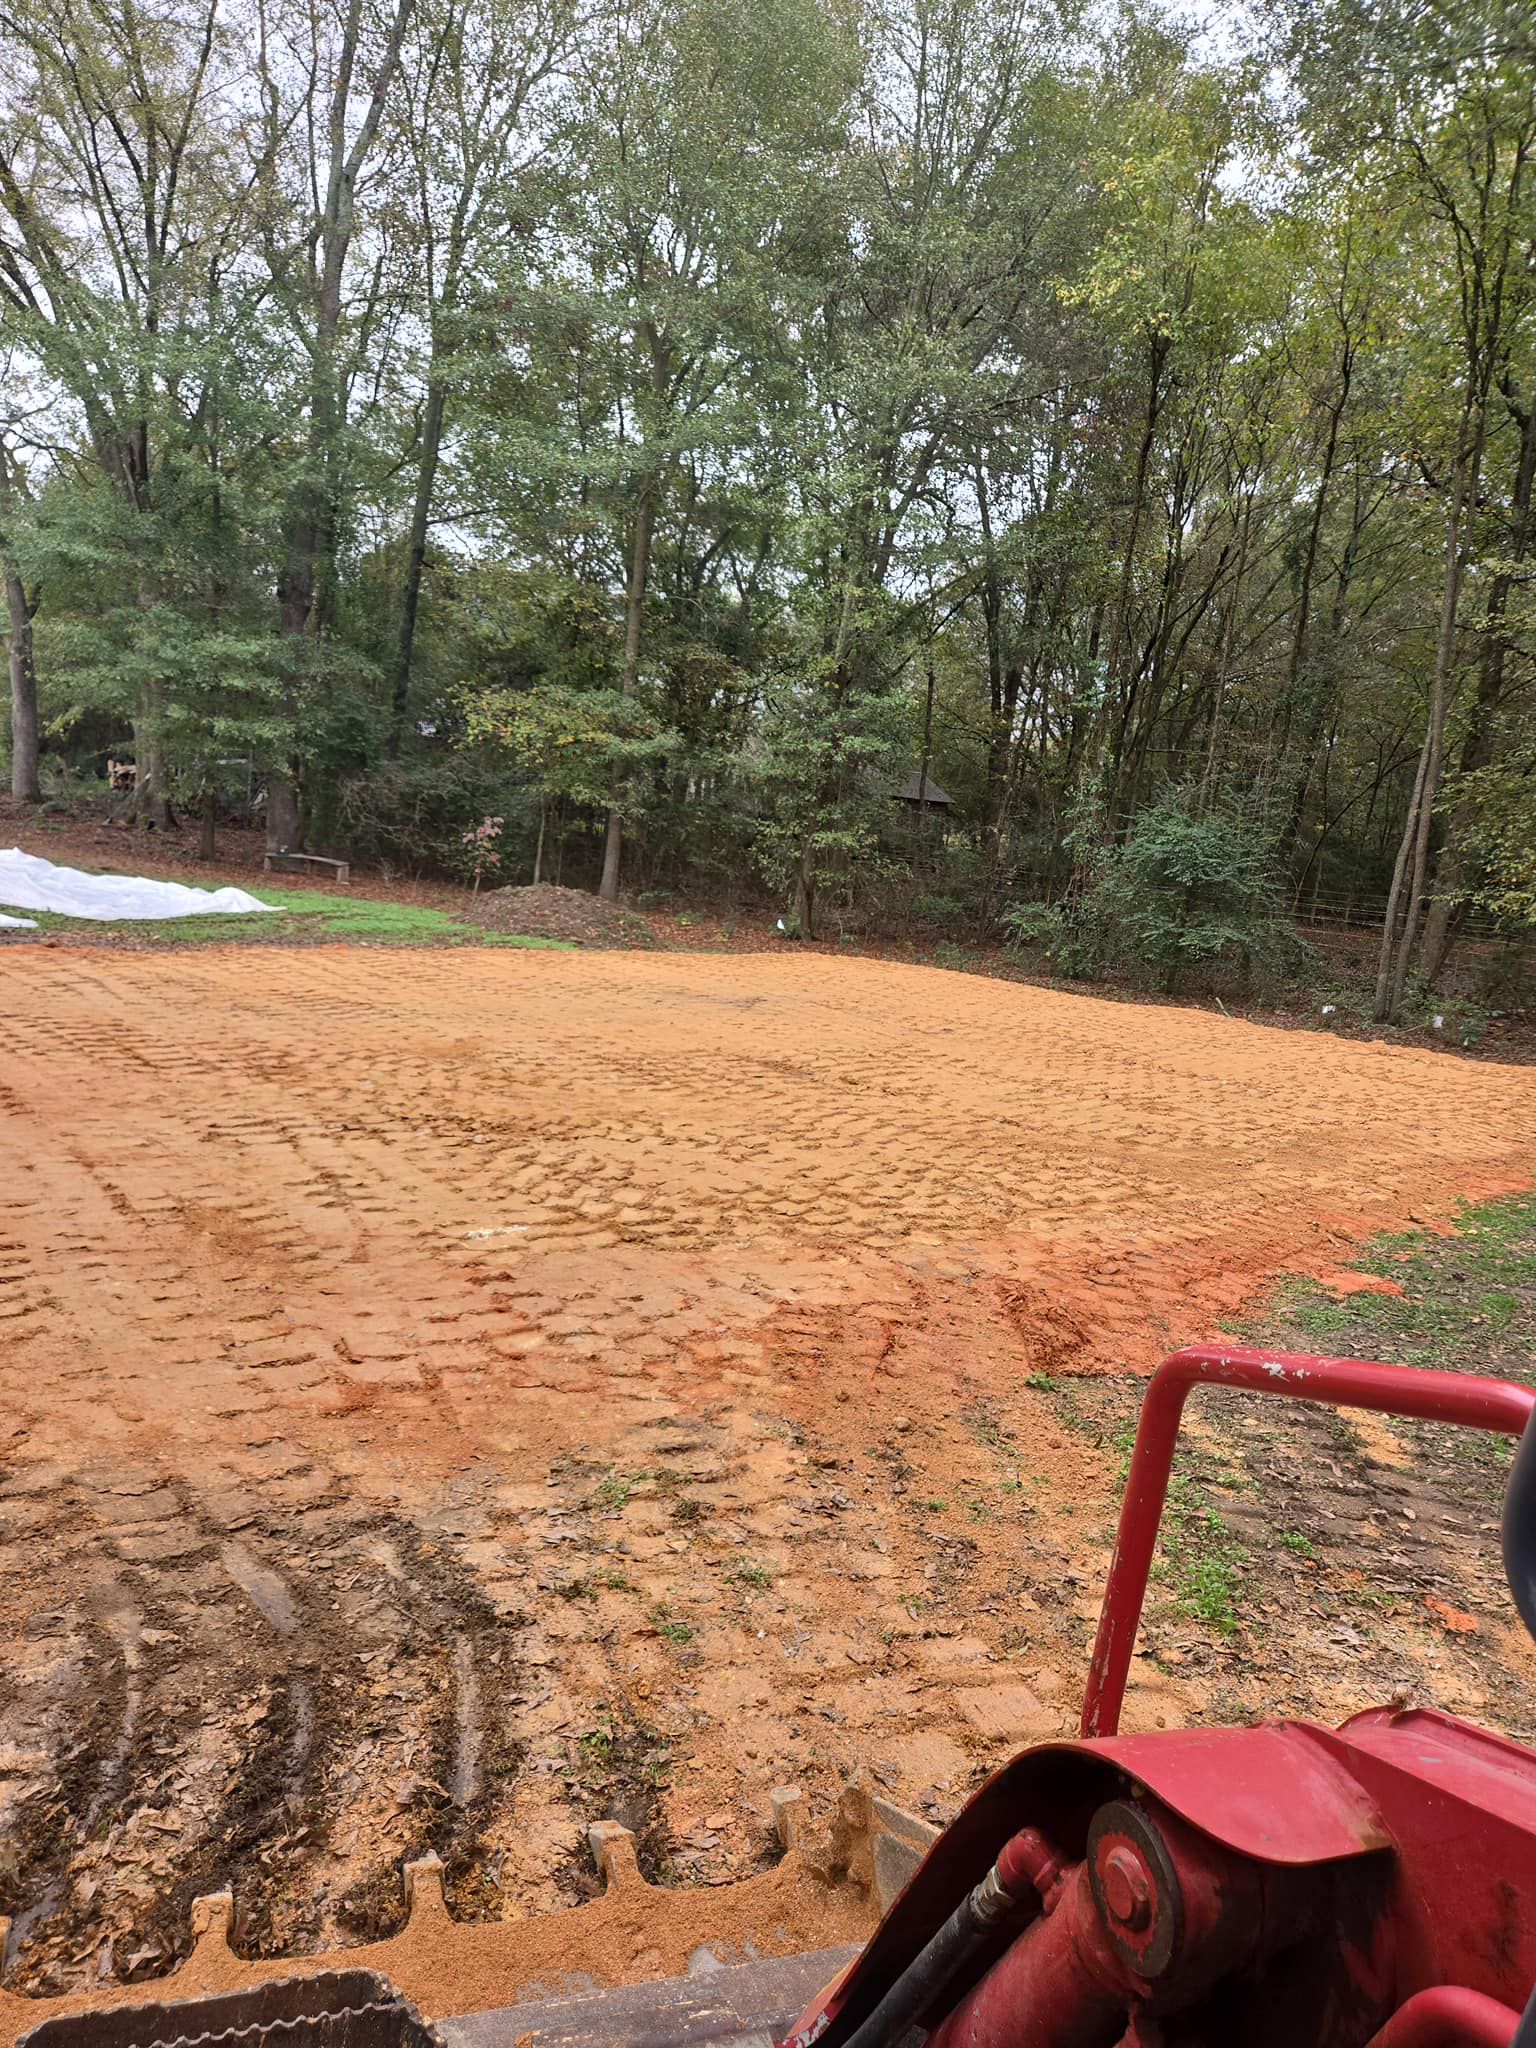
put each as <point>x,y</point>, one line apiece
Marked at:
<point>545,912</point>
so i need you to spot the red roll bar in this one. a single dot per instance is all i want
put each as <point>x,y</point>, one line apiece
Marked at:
<point>1462,1398</point>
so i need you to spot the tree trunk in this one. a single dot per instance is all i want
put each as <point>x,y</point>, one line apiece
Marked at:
<point>306,582</point>
<point>1477,747</point>
<point>805,895</point>
<point>151,791</point>
<point>26,786</point>
<point>1413,850</point>
<point>639,571</point>
<point>283,809</point>
<point>922,773</point>
<point>1158,355</point>
<point>1227,644</point>
<point>999,732</point>
<point>538,850</point>
<point>1091,773</point>
<point>208,834</point>
<point>1379,1008</point>
<point>608,884</point>
<point>1300,667</point>
<point>421,515</point>
<point>296,593</point>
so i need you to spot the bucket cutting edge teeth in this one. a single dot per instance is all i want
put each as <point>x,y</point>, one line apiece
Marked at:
<point>475,1978</point>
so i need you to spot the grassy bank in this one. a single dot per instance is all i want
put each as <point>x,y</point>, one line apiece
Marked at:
<point>304,917</point>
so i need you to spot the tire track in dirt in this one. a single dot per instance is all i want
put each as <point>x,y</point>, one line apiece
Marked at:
<point>224,1709</point>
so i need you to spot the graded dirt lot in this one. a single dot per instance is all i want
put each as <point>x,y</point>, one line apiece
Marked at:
<point>444,1398</point>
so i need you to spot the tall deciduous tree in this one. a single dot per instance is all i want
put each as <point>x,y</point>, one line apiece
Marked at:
<point>325,78</point>
<point>481,128</point>
<point>784,403</point>
<point>121,213</point>
<point>1474,165</point>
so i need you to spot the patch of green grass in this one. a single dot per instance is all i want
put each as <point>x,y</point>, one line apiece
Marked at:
<point>668,1625</point>
<point>616,1489</point>
<point>1373,1598</point>
<point>611,1492</point>
<point>1468,1304</point>
<point>1457,1289</point>
<point>1042,1383</point>
<point>1498,1306</point>
<point>592,1583</point>
<point>1297,1541</point>
<point>596,1747</point>
<point>1208,1591</point>
<point>364,922</point>
<point>1236,1482</point>
<point>302,916</point>
<point>1201,1560</point>
<point>1122,1441</point>
<point>755,1578</point>
<point>611,1753</point>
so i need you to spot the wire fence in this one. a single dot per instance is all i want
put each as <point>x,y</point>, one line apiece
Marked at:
<point>1369,913</point>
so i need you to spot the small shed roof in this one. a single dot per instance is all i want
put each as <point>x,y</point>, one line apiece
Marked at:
<point>918,789</point>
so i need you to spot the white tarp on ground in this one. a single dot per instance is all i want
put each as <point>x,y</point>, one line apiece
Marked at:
<point>28,883</point>
<point>18,924</point>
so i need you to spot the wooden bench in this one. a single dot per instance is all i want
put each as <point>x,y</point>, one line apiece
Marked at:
<point>338,871</point>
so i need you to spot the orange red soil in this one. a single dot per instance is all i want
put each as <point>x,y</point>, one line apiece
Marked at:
<point>452,1395</point>
<point>358,1174</point>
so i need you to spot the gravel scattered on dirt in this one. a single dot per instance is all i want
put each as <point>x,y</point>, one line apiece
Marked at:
<point>545,912</point>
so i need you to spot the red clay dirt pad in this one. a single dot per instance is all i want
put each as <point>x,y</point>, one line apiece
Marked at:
<point>447,1399</point>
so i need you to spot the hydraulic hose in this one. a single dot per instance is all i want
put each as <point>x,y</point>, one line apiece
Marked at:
<point>1027,1864</point>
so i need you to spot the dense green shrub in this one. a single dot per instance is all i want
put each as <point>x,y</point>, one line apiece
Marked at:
<point>413,814</point>
<point>940,913</point>
<point>1064,938</point>
<point>1188,893</point>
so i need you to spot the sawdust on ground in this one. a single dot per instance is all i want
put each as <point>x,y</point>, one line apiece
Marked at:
<point>451,1400</point>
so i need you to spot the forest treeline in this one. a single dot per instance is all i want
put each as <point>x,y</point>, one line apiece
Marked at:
<point>631,440</point>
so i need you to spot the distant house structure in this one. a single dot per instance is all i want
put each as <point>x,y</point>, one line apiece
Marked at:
<point>920,796</point>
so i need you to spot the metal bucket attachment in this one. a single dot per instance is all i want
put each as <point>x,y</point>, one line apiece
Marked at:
<point>336,2009</point>
<point>746,2005</point>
